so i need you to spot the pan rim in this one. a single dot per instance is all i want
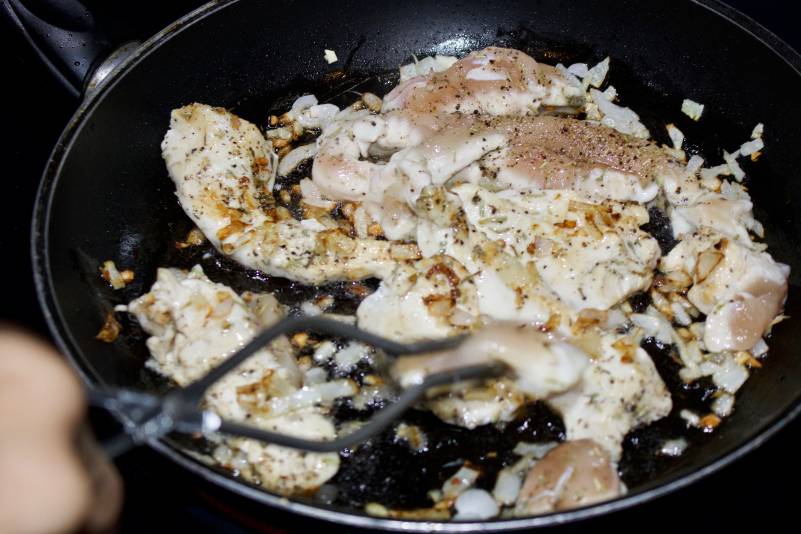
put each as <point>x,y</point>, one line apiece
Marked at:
<point>63,338</point>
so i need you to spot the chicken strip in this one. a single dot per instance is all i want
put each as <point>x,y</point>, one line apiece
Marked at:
<point>493,81</point>
<point>194,325</point>
<point>221,168</point>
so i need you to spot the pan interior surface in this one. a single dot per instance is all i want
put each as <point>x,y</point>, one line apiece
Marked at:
<point>106,194</point>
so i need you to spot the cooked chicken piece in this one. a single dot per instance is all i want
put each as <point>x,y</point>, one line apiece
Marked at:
<point>740,290</point>
<point>494,401</point>
<point>493,81</point>
<point>220,166</point>
<point>429,299</point>
<point>574,474</point>
<point>542,366</point>
<point>194,325</point>
<point>590,255</point>
<point>619,391</point>
<point>727,212</point>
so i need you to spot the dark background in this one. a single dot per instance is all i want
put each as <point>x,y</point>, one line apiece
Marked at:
<point>757,491</point>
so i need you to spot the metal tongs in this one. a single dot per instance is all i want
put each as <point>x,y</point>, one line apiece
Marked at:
<point>149,417</point>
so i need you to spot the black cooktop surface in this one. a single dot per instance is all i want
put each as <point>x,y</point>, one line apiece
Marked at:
<point>758,489</point>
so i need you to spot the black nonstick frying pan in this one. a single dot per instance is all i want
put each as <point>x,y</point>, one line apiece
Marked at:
<point>105,195</point>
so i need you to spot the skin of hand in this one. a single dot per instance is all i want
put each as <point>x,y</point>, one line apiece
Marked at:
<point>53,476</point>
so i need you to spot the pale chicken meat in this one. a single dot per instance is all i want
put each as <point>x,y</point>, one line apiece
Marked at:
<point>618,392</point>
<point>220,165</point>
<point>541,366</point>
<point>194,324</point>
<point>492,81</point>
<point>576,473</point>
<point>740,290</point>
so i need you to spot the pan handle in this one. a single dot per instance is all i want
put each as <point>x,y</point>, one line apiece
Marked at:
<point>64,35</point>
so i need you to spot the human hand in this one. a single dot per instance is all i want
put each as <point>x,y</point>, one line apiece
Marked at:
<point>53,476</point>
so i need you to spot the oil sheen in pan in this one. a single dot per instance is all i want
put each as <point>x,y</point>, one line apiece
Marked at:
<point>389,471</point>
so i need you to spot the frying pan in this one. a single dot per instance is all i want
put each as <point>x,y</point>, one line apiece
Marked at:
<point>105,195</point>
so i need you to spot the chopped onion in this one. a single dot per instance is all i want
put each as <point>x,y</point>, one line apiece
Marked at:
<point>759,130</point>
<point>317,116</point>
<point>654,326</point>
<point>596,75</point>
<point>324,393</point>
<point>730,375</point>
<point>621,119</point>
<point>578,69</point>
<point>568,76</point>
<point>673,447</point>
<point>723,405</point>
<point>676,136</point>
<point>537,450</point>
<point>330,56</point>
<point>752,147</point>
<point>610,93</point>
<point>694,110</point>
<point>425,66</point>
<point>295,158</point>
<point>313,196</point>
<point>695,163</point>
<point>324,351</point>
<point>475,504</point>
<point>459,482</point>
<point>351,354</point>
<point>507,487</point>
<point>759,349</point>
<point>714,172</point>
<point>691,417</point>
<point>304,102</point>
<point>731,161</point>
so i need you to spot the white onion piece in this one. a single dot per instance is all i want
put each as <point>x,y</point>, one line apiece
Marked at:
<point>459,482</point>
<point>676,136</point>
<point>694,110</point>
<point>759,130</point>
<point>537,450</point>
<point>313,196</point>
<point>295,158</point>
<point>507,487</point>
<point>673,447</point>
<point>759,349</point>
<point>304,102</point>
<point>349,355</point>
<point>610,93</point>
<point>568,76</point>
<point>691,417</point>
<point>578,69</point>
<point>695,164</point>
<point>653,326</point>
<point>475,504</point>
<point>731,161</point>
<point>307,396</point>
<point>324,351</point>
<point>723,405</point>
<point>752,147</point>
<point>317,116</point>
<point>596,75</point>
<point>730,375</point>
<point>621,119</point>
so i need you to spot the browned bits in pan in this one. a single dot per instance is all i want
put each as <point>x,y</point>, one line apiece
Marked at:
<point>110,330</point>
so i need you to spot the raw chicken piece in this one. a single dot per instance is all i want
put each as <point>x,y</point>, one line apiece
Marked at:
<point>574,474</point>
<point>493,81</point>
